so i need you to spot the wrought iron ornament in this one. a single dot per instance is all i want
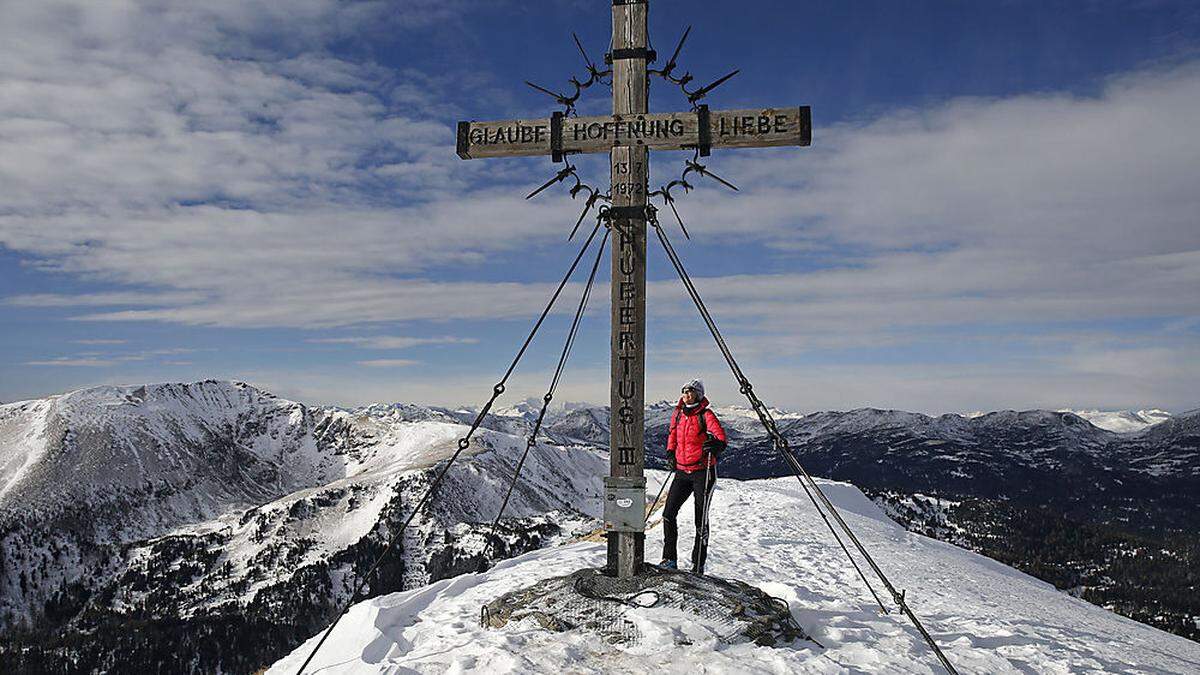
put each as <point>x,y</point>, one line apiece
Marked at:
<point>595,76</point>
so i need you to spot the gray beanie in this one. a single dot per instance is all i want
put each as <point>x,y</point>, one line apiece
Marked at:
<point>698,385</point>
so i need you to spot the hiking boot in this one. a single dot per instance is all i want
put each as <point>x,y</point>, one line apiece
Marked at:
<point>669,565</point>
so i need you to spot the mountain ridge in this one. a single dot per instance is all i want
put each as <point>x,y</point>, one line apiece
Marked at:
<point>240,510</point>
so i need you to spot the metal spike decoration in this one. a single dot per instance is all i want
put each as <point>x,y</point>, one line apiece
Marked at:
<point>703,171</point>
<point>703,91</point>
<point>590,65</point>
<point>596,75</point>
<point>558,178</point>
<point>666,70</point>
<point>563,100</point>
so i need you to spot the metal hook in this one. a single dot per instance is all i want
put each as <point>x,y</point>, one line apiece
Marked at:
<point>703,171</point>
<point>558,177</point>
<point>703,91</point>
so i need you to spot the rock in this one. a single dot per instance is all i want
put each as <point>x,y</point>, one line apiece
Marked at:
<point>613,609</point>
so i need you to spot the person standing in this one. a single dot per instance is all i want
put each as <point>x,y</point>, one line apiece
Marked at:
<point>693,444</point>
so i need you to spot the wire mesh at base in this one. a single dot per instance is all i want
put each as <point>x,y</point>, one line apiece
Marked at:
<point>612,609</point>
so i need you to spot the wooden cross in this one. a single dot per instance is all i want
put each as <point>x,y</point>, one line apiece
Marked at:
<point>628,135</point>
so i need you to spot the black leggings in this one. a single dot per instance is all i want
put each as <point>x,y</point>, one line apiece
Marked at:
<point>683,486</point>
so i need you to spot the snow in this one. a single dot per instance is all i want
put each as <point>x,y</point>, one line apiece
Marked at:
<point>108,481</point>
<point>1122,421</point>
<point>987,617</point>
<point>23,428</point>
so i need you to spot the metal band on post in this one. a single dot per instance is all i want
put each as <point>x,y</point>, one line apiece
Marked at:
<point>633,53</point>
<point>556,152</point>
<point>464,140</point>
<point>626,212</point>
<point>704,131</point>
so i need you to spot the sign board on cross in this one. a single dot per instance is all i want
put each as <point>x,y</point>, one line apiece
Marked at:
<point>756,128</point>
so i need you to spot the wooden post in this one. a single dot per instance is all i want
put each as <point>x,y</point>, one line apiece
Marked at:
<point>630,170</point>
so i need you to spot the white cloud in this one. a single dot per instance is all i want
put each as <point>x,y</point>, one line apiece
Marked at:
<point>1024,209</point>
<point>218,161</point>
<point>80,362</point>
<point>393,341</point>
<point>99,299</point>
<point>387,363</point>
<point>96,359</point>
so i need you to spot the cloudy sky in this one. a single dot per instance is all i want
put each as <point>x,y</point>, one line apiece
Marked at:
<point>1000,208</point>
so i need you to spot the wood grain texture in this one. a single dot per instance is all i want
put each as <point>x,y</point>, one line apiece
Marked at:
<point>627,381</point>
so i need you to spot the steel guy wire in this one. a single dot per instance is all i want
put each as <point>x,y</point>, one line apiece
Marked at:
<point>463,444</point>
<point>781,445</point>
<point>562,362</point>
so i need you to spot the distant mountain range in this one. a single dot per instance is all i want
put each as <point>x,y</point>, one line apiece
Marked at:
<point>208,512</point>
<point>1122,421</point>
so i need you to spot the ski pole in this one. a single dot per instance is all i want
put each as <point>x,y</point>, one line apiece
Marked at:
<point>654,504</point>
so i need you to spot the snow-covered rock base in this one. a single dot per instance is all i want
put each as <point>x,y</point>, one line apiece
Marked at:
<point>988,618</point>
<point>613,609</point>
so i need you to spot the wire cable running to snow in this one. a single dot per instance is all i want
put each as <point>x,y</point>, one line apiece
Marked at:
<point>463,444</point>
<point>562,362</point>
<point>806,480</point>
<point>763,413</point>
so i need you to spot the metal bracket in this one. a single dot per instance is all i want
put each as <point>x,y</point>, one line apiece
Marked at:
<point>631,53</point>
<point>556,152</point>
<point>624,504</point>
<point>464,130</point>
<point>618,3</point>
<point>704,129</point>
<point>626,212</point>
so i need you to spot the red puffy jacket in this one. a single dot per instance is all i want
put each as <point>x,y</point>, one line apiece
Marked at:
<point>687,436</point>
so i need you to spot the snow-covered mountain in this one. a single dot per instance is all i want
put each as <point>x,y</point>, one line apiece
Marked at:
<point>1122,421</point>
<point>214,511</point>
<point>227,523</point>
<point>1148,481</point>
<point>988,618</point>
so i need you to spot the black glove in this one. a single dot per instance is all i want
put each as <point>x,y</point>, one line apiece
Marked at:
<point>670,459</point>
<point>713,445</point>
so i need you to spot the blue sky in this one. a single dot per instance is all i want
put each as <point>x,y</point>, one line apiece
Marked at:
<point>999,209</point>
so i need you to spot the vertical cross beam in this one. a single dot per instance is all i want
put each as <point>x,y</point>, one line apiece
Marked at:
<point>630,168</point>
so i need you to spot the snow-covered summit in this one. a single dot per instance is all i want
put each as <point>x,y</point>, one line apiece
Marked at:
<point>988,618</point>
<point>215,497</point>
<point>1123,421</point>
<point>212,509</point>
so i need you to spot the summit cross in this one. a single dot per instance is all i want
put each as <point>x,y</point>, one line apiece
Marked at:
<point>628,135</point>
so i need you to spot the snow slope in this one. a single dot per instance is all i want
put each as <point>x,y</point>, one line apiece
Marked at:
<point>198,502</point>
<point>988,618</point>
<point>1122,421</point>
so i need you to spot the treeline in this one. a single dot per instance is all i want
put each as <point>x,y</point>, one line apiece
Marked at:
<point>1152,580</point>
